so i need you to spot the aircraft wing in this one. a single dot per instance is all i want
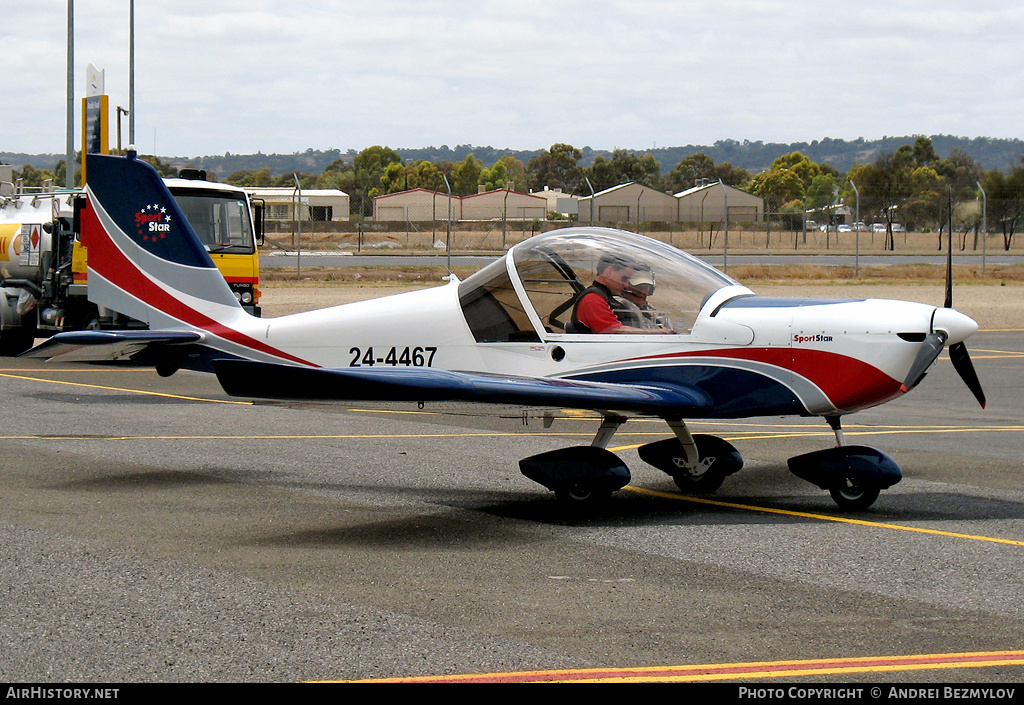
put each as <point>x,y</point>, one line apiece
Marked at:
<point>108,345</point>
<point>244,378</point>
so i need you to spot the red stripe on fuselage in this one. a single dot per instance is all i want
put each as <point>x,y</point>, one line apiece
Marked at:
<point>107,260</point>
<point>849,383</point>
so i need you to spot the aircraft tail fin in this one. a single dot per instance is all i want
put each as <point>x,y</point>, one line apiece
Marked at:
<point>145,260</point>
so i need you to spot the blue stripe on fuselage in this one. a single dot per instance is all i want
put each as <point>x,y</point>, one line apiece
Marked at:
<point>779,302</point>
<point>736,393</point>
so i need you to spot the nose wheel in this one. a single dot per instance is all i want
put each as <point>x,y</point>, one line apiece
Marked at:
<point>581,493</point>
<point>854,494</point>
<point>853,475</point>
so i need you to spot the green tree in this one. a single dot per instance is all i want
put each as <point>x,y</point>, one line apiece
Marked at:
<point>926,199</point>
<point>822,192</point>
<point>424,174</point>
<point>419,174</point>
<point>732,175</point>
<point>1006,201</point>
<point>624,167</point>
<point>251,179</point>
<point>368,167</point>
<point>778,187</point>
<point>960,172</point>
<point>339,175</point>
<point>494,177</point>
<point>35,178</point>
<point>467,176</point>
<point>699,168</point>
<point>924,152</point>
<point>515,173</point>
<point>802,167</point>
<point>306,180</point>
<point>691,171</point>
<point>373,160</point>
<point>885,185</point>
<point>165,170</point>
<point>557,167</point>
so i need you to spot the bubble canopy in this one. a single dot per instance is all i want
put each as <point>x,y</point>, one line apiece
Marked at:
<point>552,269</point>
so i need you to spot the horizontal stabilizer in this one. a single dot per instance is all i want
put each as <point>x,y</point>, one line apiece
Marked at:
<point>108,345</point>
<point>243,378</point>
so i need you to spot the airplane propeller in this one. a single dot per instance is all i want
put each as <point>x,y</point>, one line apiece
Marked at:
<point>934,342</point>
<point>962,364</point>
<point>930,349</point>
<point>958,351</point>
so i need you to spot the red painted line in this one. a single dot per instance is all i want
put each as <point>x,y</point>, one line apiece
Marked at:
<point>768,669</point>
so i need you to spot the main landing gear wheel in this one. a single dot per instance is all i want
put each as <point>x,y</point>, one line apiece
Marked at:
<point>708,483</point>
<point>669,457</point>
<point>854,495</point>
<point>581,476</point>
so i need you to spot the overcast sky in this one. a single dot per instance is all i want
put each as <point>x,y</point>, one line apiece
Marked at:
<point>242,76</point>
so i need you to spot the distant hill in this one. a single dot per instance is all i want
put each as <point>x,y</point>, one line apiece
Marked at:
<point>991,153</point>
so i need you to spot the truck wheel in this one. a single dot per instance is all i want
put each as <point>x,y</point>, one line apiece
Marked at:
<point>15,341</point>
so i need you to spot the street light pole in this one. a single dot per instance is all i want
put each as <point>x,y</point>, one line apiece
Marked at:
<point>448,237</point>
<point>69,159</point>
<point>725,205</point>
<point>856,230</point>
<point>984,226</point>
<point>131,74</point>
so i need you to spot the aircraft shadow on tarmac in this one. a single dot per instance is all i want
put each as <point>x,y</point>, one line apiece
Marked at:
<point>625,508</point>
<point>108,399</point>
<point>150,479</point>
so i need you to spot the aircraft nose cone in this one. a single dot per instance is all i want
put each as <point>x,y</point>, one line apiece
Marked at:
<point>955,324</point>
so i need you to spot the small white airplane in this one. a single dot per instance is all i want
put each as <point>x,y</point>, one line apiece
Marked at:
<point>517,332</point>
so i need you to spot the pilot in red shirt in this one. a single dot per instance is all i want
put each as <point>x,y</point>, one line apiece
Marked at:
<point>593,310</point>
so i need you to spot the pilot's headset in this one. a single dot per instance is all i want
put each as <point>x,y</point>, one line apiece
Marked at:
<point>643,276</point>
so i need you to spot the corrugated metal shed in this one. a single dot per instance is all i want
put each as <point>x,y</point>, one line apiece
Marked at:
<point>706,204</point>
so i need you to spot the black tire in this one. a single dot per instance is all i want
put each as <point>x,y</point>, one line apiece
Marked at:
<point>727,462</point>
<point>580,493</point>
<point>853,496</point>
<point>14,342</point>
<point>708,483</point>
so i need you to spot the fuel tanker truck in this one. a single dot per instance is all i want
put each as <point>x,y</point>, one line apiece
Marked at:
<point>44,287</point>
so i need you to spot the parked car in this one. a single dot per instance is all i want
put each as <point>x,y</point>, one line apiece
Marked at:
<point>878,228</point>
<point>897,228</point>
<point>844,229</point>
<point>860,226</point>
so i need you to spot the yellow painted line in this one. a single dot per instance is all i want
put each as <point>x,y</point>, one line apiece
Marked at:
<point>343,436</point>
<point>124,389</point>
<point>820,517</point>
<point>737,671</point>
<point>995,354</point>
<point>91,369</point>
<point>283,437</point>
<point>775,435</point>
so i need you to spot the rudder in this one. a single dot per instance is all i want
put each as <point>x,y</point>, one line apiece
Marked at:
<point>144,259</point>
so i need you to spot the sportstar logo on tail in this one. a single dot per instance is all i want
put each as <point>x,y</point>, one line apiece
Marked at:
<point>153,222</point>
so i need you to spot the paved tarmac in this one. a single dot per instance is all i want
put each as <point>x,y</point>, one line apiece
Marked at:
<point>149,531</point>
